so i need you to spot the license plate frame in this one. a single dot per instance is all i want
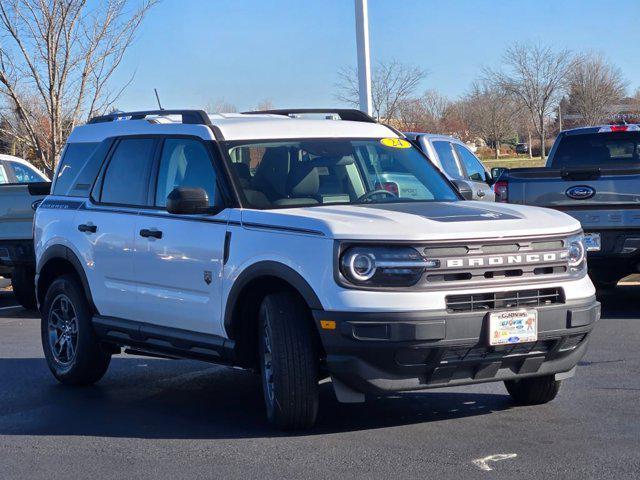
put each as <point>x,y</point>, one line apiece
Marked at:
<point>510,327</point>
<point>593,242</point>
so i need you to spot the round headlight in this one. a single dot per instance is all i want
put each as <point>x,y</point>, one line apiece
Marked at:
<point>360,266</point>
<point>575,253</point>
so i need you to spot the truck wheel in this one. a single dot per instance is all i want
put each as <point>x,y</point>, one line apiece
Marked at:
<point>24,288</point>
<point>288,362</point>
<point>533,391</point>
<point>73,353</point>
<point>605,282</point>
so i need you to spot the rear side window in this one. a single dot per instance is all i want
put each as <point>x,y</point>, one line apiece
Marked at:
<point>475,170</point>
<point>447,159</point>
<point>25,174</point>
<point>610,149</point>
<point>126,180</point>
<point>184,163</point>
<point>73,161</point>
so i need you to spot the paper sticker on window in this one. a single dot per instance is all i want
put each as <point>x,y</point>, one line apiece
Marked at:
<point>395,143</point>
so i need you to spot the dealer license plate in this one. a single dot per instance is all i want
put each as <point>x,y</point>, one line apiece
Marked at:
<point>592,242</point>
<point>513,326</point>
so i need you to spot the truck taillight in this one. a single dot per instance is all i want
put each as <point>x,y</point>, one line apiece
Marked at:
<point>389,187</point>
<point>501,189</point>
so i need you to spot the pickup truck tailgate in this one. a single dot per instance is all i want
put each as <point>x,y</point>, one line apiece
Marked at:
<point>16,209</point>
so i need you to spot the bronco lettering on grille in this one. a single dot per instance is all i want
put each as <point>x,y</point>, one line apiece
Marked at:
<point>495,260</point>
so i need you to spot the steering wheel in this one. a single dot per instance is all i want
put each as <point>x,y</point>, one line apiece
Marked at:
<point>372,193</point>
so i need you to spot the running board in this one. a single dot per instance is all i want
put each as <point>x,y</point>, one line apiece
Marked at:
<point>164,341</point>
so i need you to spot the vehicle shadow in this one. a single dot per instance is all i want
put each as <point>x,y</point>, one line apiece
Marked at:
<point>158,399</point>
<point>620,302</point>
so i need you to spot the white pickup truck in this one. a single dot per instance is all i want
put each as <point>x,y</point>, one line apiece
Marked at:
<point>22,187</point>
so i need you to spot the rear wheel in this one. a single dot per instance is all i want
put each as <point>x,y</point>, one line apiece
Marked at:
<point>73,353</point>
<point>24,288</point>
<point>288,362</point>
<point>533,391</point>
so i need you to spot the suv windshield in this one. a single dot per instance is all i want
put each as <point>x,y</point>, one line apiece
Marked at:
<point>309,172</point>
<point>618,149</point>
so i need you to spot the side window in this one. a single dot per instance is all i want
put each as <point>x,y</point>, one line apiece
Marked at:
<point>126,179</point>
<point>475,170</point>
<point>4,178</point>
<point>73,161</point>
<point>447,159</point>
<point>24,174</point>
<point>184,163</point>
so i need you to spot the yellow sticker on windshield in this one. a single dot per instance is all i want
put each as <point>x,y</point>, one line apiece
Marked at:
<point>395,143</point>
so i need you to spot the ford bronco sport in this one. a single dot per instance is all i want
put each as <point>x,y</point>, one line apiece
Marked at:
<point>269,241</point>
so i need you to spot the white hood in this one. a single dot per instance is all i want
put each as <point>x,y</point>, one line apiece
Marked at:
<point>418,221</point>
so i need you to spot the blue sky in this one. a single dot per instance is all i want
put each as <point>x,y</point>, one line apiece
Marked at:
<point>245,51</point>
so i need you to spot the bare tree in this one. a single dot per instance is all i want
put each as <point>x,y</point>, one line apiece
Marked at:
<point>56,60</point>
<point>265,105</point>
<point>595,88</point>
<point>492,113</point>
<point>391,84</point>
<point>536,76</point>
<point>220,105</point>
<point>423,114</point>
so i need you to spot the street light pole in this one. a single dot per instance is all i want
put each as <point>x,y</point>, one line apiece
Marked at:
<point>364,63</point>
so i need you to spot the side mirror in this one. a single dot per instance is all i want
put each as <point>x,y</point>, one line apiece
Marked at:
<point>496,172</point>
<point>187,200</point>
<point>463,189</point>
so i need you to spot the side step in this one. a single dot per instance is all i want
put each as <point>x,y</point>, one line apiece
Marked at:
<point>164,341</point>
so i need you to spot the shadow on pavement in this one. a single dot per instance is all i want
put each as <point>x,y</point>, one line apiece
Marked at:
<point>151,398</point>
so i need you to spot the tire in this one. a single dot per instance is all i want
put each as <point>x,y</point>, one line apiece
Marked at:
<point>24,287</point>
<point>533,391</point>
<point>288,362</point>
<point>73,353</point>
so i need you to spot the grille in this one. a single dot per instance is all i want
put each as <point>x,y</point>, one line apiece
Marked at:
<point>496,300</point>
<point>487,262</point>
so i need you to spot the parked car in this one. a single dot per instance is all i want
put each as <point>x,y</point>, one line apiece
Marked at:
<point>265,242</point>
<point>592,174</point>
<point>456,161</point>
<point>21,188</point>
<point>522,148</point>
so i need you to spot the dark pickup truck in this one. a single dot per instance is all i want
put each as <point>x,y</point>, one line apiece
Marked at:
<point>593,174</point>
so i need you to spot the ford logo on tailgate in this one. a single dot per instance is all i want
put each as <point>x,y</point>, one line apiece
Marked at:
<point>580,192</point>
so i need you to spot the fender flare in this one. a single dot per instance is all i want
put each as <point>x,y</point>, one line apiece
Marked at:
<point>271,269</point>
<point>65,253</point>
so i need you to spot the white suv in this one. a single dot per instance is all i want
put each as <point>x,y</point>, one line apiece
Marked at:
<point>270,241</point>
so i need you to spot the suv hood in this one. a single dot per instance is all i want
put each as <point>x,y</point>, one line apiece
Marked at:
<point>416,221</point>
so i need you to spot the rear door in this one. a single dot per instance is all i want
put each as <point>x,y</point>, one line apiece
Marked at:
<point>475,174</point>
<point>179,258</point>
<point>106,227</point>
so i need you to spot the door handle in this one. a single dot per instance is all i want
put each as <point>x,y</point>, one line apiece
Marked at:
<point>150,233</point>
<point>83,227</point>
<point>481,193</point>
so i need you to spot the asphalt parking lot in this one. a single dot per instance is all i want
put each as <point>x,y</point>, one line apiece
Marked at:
<point>151,418</point>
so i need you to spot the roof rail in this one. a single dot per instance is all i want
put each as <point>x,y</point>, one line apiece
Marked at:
<point>193,117</point>
<point>350,114</point>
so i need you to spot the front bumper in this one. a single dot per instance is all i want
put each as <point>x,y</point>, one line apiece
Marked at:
<point>385,352</point>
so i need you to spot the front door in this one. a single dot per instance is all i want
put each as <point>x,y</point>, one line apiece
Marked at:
<point>475,173</point>
<point>179,258</point>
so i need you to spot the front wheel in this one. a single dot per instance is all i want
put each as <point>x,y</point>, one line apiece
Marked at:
<point>73,353</point>
<point>288,362</point>
<point>533,391</point>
